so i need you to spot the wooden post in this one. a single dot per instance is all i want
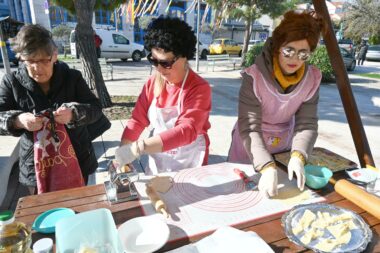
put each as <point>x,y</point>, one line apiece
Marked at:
<point>356,126</point>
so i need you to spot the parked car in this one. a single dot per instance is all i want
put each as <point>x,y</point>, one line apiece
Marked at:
<point>225,46</point>
<point>203,50</point>
<point>373,53</point>
<point>114,45</point>
<point>348,59</point>
<point>253,42</point>
<point>346,44</point>
<point>11,55</point>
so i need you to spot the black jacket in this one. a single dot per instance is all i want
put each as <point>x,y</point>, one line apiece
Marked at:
<point>19,93</point>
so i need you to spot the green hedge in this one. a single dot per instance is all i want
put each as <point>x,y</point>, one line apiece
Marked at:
<point>252,53</point>
<point>319,58</point>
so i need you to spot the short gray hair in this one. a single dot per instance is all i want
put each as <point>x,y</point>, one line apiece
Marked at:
<point>32,39</point>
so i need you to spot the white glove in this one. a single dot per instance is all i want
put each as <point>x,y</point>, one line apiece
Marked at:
<point>296,165</point>
<point>126,154</point>
<point>268,182</point>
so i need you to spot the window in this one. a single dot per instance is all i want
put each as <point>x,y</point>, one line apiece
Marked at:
<point>102,17</point>
<point>71,18</point>
<point>115,20</point>
<point>177,9</point>
<point>118,39</point>
<point>207,17</point>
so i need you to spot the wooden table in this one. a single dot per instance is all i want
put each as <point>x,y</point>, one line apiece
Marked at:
<point>93,197</point>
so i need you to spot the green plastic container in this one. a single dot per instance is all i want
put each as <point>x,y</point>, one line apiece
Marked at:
<point>317,177</point>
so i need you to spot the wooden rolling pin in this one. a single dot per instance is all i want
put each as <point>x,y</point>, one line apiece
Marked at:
<point>359,197</point>
<point>157,202</point>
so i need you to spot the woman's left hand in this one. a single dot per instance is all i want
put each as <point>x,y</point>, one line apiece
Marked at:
<point>63,115</point>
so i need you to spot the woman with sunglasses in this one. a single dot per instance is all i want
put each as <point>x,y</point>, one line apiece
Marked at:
<point>175,102</point>
<point>278,102</point>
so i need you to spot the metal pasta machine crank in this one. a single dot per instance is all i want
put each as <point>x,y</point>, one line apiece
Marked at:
<point>120,187</point>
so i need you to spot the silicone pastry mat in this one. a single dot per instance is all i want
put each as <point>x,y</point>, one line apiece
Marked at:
<point>206,198</point>
<point>320,157</point>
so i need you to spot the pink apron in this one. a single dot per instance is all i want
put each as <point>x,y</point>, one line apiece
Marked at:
<point>188,156</point>
<point>278,113</point>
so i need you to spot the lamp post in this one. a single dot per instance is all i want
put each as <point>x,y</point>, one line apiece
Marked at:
<point>197,51</point>
<point>4,53</point>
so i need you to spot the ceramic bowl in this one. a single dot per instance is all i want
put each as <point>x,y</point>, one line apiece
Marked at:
<point>317,177</point>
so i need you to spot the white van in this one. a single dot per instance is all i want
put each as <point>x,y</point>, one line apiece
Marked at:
<point>114,46</point>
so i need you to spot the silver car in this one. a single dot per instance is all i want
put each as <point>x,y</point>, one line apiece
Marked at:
<point>373,53</point>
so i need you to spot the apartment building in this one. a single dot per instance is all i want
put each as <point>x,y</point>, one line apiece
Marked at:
<point>44,12</point>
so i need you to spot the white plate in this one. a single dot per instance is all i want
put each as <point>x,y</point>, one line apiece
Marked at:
<point>143,234</point>
<point>363,175</point>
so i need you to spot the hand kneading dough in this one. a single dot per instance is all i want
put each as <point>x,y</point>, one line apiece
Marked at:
<point>161,183</point>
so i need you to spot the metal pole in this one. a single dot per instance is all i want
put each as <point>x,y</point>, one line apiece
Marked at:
<point>356,126</point>
<point>4,53</point>
<point>198,26</point>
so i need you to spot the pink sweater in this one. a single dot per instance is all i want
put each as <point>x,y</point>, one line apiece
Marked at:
<point>193,120</point>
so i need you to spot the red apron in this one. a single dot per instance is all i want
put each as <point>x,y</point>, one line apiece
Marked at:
<point>55,161</point>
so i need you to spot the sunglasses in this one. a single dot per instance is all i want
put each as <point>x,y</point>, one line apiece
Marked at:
<point>164,64</point>
<point>289,52</point>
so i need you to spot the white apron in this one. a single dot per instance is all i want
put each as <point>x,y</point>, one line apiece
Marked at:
<point>188,156</point>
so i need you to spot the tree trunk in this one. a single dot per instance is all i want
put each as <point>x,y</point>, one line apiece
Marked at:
<point>247,35</point>
<point>86,45</point>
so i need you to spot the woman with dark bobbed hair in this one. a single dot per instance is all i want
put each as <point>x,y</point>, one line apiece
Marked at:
<point>175,102</point>
<point>278,102</point>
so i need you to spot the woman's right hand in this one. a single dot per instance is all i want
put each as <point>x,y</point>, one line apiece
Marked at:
<point>29,122</point>
<point>126,154</point>
<point>268,182</point>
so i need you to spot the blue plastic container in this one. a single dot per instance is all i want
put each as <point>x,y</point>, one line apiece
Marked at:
<point>317,177</point>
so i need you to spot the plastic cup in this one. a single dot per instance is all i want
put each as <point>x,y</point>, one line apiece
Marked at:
<point>44,245</point>
<point>370,187</point>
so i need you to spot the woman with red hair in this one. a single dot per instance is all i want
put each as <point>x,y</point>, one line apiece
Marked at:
<point>278,102</point>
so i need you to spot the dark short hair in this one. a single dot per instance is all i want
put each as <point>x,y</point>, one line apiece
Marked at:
<point>32,39</point>
<point>298,26</point>
<point>172,35</point>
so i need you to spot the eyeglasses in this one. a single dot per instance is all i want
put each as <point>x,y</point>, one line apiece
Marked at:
<point>289,52</point>
<point>164,64</point>
<point>38,62</point>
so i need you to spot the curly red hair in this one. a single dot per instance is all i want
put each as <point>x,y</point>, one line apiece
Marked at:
<point>298,26</point>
